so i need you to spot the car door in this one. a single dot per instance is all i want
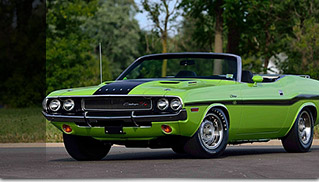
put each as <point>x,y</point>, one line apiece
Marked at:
<point>263,109</point>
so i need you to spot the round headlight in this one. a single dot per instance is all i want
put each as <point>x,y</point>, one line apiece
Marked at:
<point>55,105</point>
<point>176,104</point>
<point>44,104</point>
<point>162,104</point>
<point>68,104</point>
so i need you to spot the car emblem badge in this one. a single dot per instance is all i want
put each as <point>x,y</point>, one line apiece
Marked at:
<point>130,104</point>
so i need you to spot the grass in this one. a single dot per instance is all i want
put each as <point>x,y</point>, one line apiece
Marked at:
<point>28,125</point>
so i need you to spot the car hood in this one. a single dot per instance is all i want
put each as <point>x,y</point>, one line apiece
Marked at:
<point>160,87</point>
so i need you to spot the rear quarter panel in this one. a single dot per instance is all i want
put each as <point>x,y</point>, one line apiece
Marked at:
<point>306,93</point>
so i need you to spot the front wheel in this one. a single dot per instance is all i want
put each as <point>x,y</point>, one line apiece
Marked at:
<point>300,136</point>
<point>83,148</point>
<point>211,138</point>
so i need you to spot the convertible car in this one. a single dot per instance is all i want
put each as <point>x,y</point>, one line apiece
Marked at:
<point>194,103</point>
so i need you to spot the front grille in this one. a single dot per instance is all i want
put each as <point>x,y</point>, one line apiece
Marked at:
<point>116,103</point>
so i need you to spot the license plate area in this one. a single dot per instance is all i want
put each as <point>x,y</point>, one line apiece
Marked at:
<point>114,130</point>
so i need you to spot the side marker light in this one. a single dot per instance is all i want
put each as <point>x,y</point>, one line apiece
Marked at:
<point>195,109</point>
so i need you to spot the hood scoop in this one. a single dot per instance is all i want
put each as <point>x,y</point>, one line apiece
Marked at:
<point>170,82</point>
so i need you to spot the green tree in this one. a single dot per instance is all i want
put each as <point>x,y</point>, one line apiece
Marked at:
<point>162,15</point>
<point>195,35</point>
<point>113,25</point>
<point>70,59</point>
<point>302,45</point>
<point>209,13</point>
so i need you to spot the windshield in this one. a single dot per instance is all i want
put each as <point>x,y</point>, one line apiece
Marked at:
<point>207,68</point>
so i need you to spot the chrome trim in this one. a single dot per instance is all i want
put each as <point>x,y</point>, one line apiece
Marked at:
<point>166,102</point>
<point>143,127</point>
<point>62,116</point>
<point>132,116</point>
<point>108,117</point>
<point>85,96</point>
<point>84,109</point>
<point>239,68</point>
<point>65,118</point>
<point>163,115</point>
<point>60,104</point>
<point>179,107</point>
<point>63,105</point>
<point>82,105</point>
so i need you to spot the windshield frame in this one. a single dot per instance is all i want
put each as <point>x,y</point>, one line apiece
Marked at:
<point>184,55</point>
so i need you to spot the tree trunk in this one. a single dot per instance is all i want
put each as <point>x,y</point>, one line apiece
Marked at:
<point>233,38</point>
<point>218,45</point>
<point>164,50</point>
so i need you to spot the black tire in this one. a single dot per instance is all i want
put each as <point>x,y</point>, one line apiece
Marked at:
<point>196,145</point>
<point>83,148</point>
<point>295,141</point>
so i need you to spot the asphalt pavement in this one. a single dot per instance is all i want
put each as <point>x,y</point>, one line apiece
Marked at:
<point>238,162</point>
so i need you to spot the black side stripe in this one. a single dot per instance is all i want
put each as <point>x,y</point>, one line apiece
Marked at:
<point>286,102</point>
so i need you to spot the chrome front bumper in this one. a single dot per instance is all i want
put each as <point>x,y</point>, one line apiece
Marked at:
<point>181,115</point>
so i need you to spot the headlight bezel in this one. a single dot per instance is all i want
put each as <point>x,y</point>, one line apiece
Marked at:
<point>59,105</point>
<point>45,104</point>
<point>64,103</point>
<point>165,101</point>
<point>179,106</point>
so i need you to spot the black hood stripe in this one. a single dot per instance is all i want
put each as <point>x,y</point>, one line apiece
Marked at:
<point>119,87</point>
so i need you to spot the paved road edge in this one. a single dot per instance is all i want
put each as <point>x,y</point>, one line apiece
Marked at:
<point>18,145</point>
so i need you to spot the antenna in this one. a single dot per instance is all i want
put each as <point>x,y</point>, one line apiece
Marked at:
<point>100,62</point>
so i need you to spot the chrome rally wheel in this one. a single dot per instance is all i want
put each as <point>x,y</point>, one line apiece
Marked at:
<point>304,127</point>
<point>300,136</point>
<point>211,138</point>
<point>211,131</point>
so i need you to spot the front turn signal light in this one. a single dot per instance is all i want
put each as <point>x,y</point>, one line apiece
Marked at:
<point>167,129</point>
<point>67,128</point>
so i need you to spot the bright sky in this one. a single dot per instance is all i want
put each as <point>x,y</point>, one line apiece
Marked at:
<point>147,24</point>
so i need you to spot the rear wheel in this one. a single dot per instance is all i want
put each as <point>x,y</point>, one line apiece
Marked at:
<point>84,148</point>
<point>299,138</point>
<point>211,138</point>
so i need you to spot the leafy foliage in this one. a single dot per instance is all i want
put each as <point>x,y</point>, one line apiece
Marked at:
<point>303,43</point>
<point>70,58</point>
<point>114,26</point>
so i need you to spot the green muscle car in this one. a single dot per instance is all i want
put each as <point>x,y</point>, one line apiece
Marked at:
<point>194,103</point>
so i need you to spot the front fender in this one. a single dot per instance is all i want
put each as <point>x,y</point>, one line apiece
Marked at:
<point>189,127</point>
<point>296,115</point>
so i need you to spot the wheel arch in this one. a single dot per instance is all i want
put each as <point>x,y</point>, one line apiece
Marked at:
<point>212,106</point>
<point>309,105</point>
